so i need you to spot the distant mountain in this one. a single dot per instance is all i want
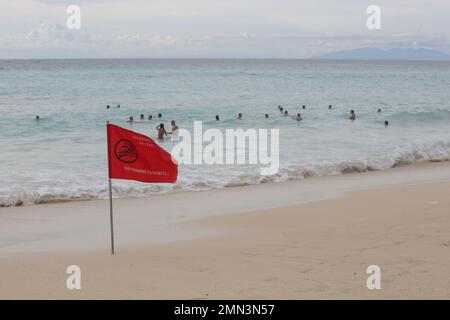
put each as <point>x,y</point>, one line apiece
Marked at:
<point>387,54</point>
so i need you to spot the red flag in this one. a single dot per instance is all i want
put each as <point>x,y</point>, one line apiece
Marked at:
<point>133,156</point>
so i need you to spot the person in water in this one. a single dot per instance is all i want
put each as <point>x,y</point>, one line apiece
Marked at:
<point>239,116</point>
<point>286,113</point>
<point>130,119</point>
<point>298,117</point>
<point>174,132</point>
<point>386,123</point>
<point>150,117</point>
<point>161,131</point>
<point>174,125</point>
<point>107,107</point>
<point>267,116</point>
<point>304,107</point>
<point>217,117</point>
<point>37,117</point>
<point>352,115</point>
<point>118,106</point>
<point>142,116</point>
<point>281,110</point>
<point>159,115</point>
<point>330,107</point>
<point>379,110</point>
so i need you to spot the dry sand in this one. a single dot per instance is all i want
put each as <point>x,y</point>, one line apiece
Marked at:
<point>319,249</point>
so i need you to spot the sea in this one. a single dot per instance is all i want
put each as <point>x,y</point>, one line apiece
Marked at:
<point>62,156</point>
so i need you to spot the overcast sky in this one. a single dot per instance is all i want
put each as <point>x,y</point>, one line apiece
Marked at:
<point>217,28</point>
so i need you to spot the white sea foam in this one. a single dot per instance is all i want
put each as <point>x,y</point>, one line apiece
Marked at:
<point>436,153</point>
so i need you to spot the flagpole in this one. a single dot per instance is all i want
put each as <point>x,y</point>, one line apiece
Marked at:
<point>111,216</point>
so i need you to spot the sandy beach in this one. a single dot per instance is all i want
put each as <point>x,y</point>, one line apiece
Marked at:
<point>297,240</point>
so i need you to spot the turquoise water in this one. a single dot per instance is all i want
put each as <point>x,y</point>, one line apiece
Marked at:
<point>63,155</point>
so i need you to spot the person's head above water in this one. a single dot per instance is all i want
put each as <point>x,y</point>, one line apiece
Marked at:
<point>37,117</point>
<point>286,113</point>
<point>386,123</point>
<point>267,116</point>
<point>118,106</point>
<point>107,107</point>
<point>159,115</point>
<point>379,110</point>
<point>304,107</point>
<point>130,119</point>
<point>217,117</point>
<point>281,109</point>
<point>150,117</point>
<point>161,126</point>
<point>142,116</point>
<point>172,122</point>
<point>239,116</point>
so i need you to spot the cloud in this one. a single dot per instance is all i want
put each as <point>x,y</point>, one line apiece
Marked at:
<point>56,41</point>
<point>216,28</point>
<point>49,32</point>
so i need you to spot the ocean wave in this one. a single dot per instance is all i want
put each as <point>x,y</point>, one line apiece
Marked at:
<point>421,116</point>
<point>437,152</point>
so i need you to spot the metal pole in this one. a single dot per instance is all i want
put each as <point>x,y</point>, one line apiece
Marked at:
<point>111,219</point>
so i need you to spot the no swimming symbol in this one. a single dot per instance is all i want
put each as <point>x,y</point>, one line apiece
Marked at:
<point>125,151</point>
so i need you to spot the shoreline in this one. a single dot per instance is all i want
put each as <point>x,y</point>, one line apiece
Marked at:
<point>84,225</point>
<point>317,250</point>
<point>48,200</point>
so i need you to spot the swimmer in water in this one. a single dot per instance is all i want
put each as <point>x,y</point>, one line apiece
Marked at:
<point>174,132</point>
<point>142,116</point>
<point>352,115</point>
<point>107,107</point>
<point>281,110</point>
<point>159,115</point>
<point>330,107</point>
<point>161,131</point>
<point>118,106</point>
<point>174,125</point>
<point>150,117</point>
<point>386,123</point>
<point>217,117</point>
<point>239,116</point>
<point>286,113</point>
<point>298,117</point>
<point>266,116</point>
<point>130,119</point>
<point>37,118</point>
<point>304,107</point>
<point>379,110</point>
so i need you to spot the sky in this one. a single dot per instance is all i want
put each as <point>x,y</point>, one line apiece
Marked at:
<point>217,28</point>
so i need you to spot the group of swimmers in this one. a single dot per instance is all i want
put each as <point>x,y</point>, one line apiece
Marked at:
<point>142,117</point>
<point>163,133</point>
<point>240,116</point>
<point>298,116</point>
<point>161,130</point>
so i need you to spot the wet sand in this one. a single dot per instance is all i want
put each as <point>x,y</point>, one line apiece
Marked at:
<point>315,240</point>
